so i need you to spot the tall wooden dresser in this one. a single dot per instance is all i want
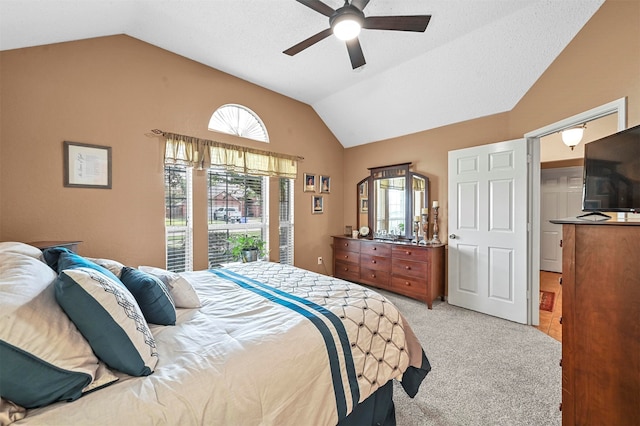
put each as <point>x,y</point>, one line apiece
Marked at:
<point>408,269</point>
<point>600,323</point>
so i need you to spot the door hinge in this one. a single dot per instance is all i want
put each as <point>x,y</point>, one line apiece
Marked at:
<point>529,158</point>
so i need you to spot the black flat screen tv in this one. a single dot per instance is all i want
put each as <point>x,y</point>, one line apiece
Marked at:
<point>612,173</point>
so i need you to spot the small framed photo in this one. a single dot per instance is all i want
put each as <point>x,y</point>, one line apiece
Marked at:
<point>364,205</point>
<point>87,166</point>
<point>317,204</point>
<point>325,184</point>
<point>309,182</point>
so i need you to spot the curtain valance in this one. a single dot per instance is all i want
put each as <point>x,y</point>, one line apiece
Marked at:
<point>204,154</point>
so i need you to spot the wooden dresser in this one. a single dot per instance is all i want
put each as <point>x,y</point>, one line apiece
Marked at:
<point>408,269</point>
<point>600,323</point>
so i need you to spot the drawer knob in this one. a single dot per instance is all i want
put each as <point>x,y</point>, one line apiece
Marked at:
<point>407,283</point>
<point>373,275</point>
<point>346,269</point>
<point>346,256</point>
<point>373,261</point>
<point>407,268</point>
<point>408,253</point>
<point>375,248</point>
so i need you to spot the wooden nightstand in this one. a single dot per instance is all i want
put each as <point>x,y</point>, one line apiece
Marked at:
<point>42,245</point>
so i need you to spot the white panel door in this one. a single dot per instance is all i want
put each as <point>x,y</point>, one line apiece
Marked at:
<point>560,197</point>
<point>488,229</point>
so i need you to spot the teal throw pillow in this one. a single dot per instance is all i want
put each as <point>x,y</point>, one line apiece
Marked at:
<point>151,294</point>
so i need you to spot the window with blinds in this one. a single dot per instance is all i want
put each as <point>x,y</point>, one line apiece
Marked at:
<point>286,221</point>
<point>178,228</point>
<point>236,203</point>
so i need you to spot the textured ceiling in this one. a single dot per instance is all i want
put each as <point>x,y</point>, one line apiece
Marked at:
<point>476,58</point>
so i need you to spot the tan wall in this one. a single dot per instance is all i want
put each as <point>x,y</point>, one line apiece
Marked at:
<point>112,91</point>
<point>600,65</point>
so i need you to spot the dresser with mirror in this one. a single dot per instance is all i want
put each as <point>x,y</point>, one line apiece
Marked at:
<point>392,252</point>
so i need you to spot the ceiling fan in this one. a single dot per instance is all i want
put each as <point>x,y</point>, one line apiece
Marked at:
<point>346,22</point>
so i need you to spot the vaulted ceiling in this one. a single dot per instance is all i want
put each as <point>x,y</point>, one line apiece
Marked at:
<point>476,57</point>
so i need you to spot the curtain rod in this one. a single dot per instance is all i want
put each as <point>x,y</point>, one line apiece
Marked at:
<point>227,145</point>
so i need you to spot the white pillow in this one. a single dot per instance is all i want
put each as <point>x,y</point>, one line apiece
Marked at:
<point>20,248</point>
<point>44,356</point>
<point>112,266</point>
<point>181,290</point>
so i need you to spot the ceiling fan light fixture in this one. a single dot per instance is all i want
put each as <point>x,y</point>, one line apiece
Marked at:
<point>346,22</point>
<point>346,28</point>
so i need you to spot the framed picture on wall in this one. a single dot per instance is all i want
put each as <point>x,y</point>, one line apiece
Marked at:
<point>325,184</point>
<point>317,204</point>
<point>309,182</point>
<point>87,166</point>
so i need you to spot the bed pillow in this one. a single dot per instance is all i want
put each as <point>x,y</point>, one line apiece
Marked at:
<point>61,258</point>
<point>52,254</point>
<point>20,248</point>
<point>44,358</point>
<point>109,318</point>
<point>151,294</point>
<point>113,266</point>
<point>181,290</point>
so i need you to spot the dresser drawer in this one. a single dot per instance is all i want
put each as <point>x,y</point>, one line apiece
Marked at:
<point>347,256</point>
<point>408,252</point>
<point>409,286</point>
<point>377,263</point>
<point>375,249</point>
<point>409,268</point>
<point>374,277</point>
<point>347,271</point>
<point>347,244</point>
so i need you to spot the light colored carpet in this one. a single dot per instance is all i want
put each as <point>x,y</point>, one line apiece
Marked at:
<point>485,370</point>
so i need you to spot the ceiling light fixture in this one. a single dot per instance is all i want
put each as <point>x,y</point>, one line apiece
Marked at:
<point>572,136</point>
<point>347,22</point>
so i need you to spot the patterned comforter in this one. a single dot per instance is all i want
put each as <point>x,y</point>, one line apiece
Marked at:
<point>271,345</point>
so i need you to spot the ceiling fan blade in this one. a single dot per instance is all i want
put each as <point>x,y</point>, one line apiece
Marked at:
<point>360,4</point>
<point>417,23</point>
<point>355,53</point>
<point>294,50</point>
<point>318,6</point>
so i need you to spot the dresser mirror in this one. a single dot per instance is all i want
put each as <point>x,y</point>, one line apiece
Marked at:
<point>390,199</point>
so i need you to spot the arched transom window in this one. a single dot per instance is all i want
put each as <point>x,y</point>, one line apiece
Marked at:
<point>240,121</point>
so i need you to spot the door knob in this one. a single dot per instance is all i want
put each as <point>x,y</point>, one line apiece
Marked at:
<point>452,236</point>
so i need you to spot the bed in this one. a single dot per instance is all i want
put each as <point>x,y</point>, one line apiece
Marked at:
<point>250,343</point>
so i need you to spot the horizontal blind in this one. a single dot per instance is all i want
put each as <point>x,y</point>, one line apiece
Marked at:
<point>178,213</point>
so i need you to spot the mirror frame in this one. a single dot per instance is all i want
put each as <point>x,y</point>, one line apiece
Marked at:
<point>384,172</point>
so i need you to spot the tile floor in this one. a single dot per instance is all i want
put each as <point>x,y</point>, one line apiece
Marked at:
<point>550,321</point>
